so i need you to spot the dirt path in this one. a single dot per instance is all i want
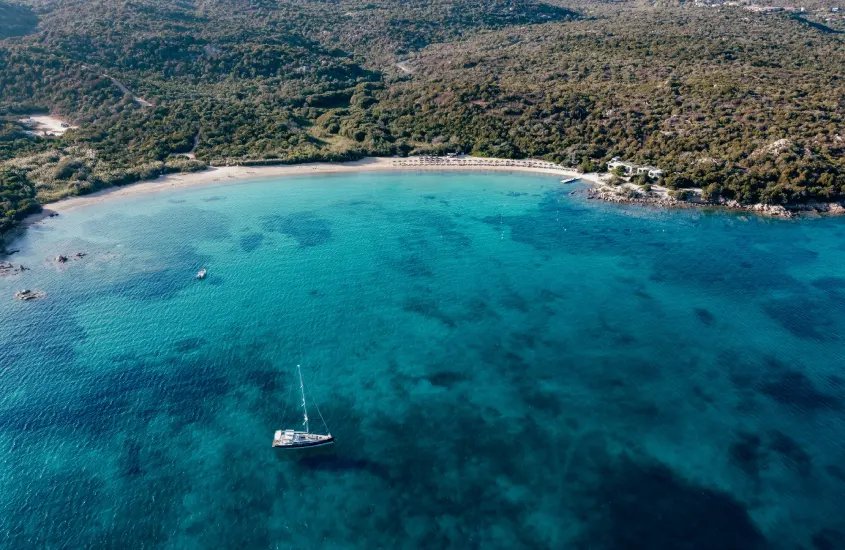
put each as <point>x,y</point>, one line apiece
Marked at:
<point>140,101</point>
<point>190,154</point>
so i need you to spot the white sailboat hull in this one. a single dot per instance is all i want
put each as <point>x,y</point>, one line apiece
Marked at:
<point>291,439</point>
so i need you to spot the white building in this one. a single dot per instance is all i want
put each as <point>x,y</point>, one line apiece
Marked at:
<point>653,172</point>
<point>631,169</point>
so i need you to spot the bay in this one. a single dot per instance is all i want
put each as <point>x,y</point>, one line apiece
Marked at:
<point>503,365</point>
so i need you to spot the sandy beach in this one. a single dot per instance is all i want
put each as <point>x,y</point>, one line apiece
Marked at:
<point>249,173</point>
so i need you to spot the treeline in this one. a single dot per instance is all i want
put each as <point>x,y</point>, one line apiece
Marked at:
<point>17,198</point>
<point>228,81</point>
<point>748,107</point>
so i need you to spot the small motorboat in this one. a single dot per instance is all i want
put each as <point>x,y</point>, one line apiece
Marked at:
<point>201,274</point>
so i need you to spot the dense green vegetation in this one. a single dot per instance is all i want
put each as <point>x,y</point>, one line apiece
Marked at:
<point>752,111</point>
<point>16,20</point>
<point>747,106</point>
<point>17,198</point>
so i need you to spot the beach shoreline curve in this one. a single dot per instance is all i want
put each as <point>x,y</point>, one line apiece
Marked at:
<point>240,173</point>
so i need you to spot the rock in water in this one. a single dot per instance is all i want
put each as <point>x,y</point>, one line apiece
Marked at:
<point>9,269</point>
<point>27,294</point>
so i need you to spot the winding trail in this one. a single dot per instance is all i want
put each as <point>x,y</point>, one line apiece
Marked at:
<point>191,154</point>
<point>139,100</point>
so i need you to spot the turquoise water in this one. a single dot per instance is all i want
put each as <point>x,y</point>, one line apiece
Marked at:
<point>503,364</point>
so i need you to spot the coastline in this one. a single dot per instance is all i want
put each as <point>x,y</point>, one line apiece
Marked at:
<point>601,189</point>
<point>248,173</point>
<point>660,197</point>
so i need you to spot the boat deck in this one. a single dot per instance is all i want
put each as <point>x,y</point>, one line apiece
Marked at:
<point>294,439</point>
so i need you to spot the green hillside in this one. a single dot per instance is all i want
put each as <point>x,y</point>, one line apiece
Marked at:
<point>700,92</point>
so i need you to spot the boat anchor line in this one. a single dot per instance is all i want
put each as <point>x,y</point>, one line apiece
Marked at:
<point>293,439</point>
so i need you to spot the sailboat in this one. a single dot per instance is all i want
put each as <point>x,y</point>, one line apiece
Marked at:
<point>293,439</point>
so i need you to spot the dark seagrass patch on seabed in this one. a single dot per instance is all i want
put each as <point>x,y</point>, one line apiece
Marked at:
<point>430,225</point>
<point>339,464</point>
<point>427,308</point>
<point>305,227</point>
<point>793,455</point>
<point>477,308</point>
<point>445,378</point>
<point>186,345</point>
<point>829,539</point>
<point>830,284</point>
<point>747,454</point>
<point>130,459</point>
<point>793,388</point>
<point>805,316</point>
<point>176,273</point>
<point>54,336</point>
<point>753,453</point>
<point>647,506</point>
<point>251,241</point>
<point>413,265</point>
<point>705,316</point>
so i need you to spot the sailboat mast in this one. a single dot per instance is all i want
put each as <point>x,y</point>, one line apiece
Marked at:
<point>302,389</point>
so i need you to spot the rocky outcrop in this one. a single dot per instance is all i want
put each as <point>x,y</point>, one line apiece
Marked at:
<point>27,294</point>
<point>610,194</point>
<point>833,208</point>
<point>7,269</point>
<point>626,195</point>
<point>774,210</point>
<point>62,259</point>
<point>777,148</point>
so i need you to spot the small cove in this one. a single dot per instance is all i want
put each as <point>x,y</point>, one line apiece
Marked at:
<point>503,364</point>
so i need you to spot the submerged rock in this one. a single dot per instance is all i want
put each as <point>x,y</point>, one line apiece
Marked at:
<point>7,268</point>
<point>27,294</point>
<point>61,259</point>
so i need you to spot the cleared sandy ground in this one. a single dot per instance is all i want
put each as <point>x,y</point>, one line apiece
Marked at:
<point>46,123</point>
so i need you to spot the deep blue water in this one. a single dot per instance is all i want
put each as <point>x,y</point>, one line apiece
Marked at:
<point>503,365</point>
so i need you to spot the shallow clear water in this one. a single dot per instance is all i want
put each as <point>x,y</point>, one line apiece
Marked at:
<point>503,365</point>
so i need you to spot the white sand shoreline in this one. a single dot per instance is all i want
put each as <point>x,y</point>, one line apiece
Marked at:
<point>248,173</point>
